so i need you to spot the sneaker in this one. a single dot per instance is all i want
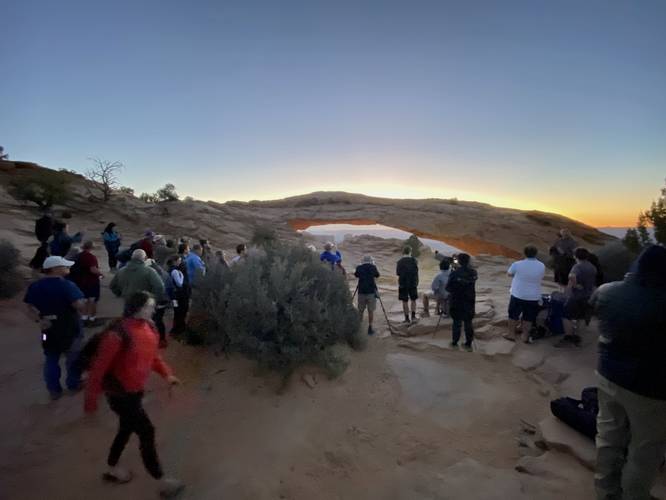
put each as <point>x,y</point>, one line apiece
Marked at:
<point>370,331</point>
<point>468,347</point>
<point>117,475</point>
<point>170,487</point>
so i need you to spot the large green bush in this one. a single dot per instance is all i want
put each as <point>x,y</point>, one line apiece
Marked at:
<point>280,306</point>
<point>10,278</point>
<point>44,188</point>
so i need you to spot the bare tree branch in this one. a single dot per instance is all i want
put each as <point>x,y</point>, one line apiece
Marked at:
<point>103,176</point>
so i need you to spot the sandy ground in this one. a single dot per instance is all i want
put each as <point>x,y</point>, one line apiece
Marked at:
<point>408,420</point>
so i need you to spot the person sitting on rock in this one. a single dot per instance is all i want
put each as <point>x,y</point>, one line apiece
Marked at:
<point>527,275</point>
<point>367,289</point>
<point>582,283</point>
<point>438,290</point>
<point>407,270</point>
<point>631,424</point>
<point>462,300</point>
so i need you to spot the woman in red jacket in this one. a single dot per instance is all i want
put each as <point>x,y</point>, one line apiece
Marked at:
<point>124,359</point>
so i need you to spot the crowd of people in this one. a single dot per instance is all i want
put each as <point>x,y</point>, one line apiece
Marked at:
<point>154,274</point>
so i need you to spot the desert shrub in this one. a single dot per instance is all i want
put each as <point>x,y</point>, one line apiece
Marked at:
<point>263,236</point>
<point>281,307</point>
<point>148,198</point>
<point>167,193</point>
<point>415,244</point>
<point>126,190</point>
<point>44,188</point>
<point>615,259</point>
<point>10,278</point>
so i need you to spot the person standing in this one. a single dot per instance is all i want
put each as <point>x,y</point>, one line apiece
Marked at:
<point>527,275</point>
<point>462,300</point>
<point>195,264</point>
<point>241,253</point>
<point>407,270</point>
<point>62,242</point>
<point>178,294</point>
<point>137,276</point>
<point>112,242</point>
<point>54,303</point>
<point>126,354</point>
<point>631,423</point>
<point>582,283</point>
<point>86,276</point>
<point>562,252</point>
<point>367,289</point>
<point>146,243</point>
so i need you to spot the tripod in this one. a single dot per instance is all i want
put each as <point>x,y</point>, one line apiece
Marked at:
<point>384,310</point>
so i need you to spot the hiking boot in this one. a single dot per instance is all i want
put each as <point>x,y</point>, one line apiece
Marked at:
<point>406,320</point>
<point>370,331</point>
<point>468,347</point>
<point>413,316</point>
<point>170,487</point>
<point>117,475</point>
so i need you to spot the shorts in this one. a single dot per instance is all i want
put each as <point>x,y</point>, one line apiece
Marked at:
<point>368,300</point>
<point>527,309</point>
<point>576,308</point>
<point>407,293</point>
<point>91,291</point>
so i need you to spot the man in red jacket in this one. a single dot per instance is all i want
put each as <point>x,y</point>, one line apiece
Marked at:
<point>124,358</point>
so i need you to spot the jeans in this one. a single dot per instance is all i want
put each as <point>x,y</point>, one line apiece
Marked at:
<point>631,441</point>
<point>469,331</point>
<point>132,418</point>
<point>52,370</point>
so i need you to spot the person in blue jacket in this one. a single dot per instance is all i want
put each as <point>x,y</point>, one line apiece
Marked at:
<point>334,259</point>
<point>112,243</point>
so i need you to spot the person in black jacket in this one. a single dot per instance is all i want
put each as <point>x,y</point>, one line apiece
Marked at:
<point>367,289</point>
<point>43,231</point>
<point>631,424</point>
<point>462,300</point>
<point>407,270</point>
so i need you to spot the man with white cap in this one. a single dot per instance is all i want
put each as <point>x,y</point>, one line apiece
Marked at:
<point>367,288</point>
<point>55,303</point>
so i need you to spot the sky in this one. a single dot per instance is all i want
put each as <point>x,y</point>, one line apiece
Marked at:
<point>535,104</point>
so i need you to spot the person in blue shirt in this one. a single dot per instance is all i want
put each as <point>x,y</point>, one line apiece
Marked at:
<point>54,302</point>
<point>112,243</point>
<point>334,259</point>
<point>195,264</point>
<point>62,242</point>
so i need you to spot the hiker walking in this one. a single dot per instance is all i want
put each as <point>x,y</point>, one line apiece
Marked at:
<point>146,243</point>
<point>407,270</point>
<point>178,293</point>
<point>582,283</point>
<point>54,303</point>
<point>137,276</point>
<point>367,289</point>
<point>43,231</point>
<point>62,242</point>
<point>86,274</point>
<point>124,357</point>
<point>195,264</point>
<point>527,275</point>
<point>462,300</point>
<point>162,304</point>
<point>112,242</point>
<point>631,423</point>
<point>438,290</point>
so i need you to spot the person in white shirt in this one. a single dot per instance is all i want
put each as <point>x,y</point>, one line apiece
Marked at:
<point>241,250</point>
<point>527,275</point>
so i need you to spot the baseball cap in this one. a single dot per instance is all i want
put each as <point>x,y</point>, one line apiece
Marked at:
<point>56,261</point>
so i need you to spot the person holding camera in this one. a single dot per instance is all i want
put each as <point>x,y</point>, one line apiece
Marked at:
<point>367,289</point>
<point>462,300</point>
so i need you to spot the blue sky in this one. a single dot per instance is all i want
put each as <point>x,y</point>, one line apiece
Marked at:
<point>534,104</point>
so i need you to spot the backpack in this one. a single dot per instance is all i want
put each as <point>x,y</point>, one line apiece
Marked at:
<point>89,352</point>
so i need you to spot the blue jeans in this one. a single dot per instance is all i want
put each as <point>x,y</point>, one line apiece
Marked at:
<point>52,370</point>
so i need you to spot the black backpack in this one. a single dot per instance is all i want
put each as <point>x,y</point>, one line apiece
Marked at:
<point>89,351</point>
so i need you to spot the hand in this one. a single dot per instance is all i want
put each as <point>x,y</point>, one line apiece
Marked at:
<point>44,324</point>
<point>173,380</point>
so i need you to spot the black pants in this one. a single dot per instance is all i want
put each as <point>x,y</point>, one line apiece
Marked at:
<point>469,330</point>
<point>133,419</point>
<point>158,319</point>
<point>180,315</point>
<point>113,260</point>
